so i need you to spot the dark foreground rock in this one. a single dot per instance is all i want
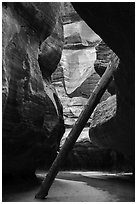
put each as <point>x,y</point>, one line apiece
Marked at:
<point>87,156</point>
<point>121,39</point>
<point>113,121</point>
<point>79,40</point>
<point>32,113</point>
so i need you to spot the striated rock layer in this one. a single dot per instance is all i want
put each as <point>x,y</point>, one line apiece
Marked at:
<point>32,113</point>
<point>76,72</point>
<point>78,58</point>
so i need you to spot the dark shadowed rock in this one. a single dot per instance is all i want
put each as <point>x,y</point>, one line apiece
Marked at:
<point>101,121</point>
<point>104,57</point>
<point>86,156</point>
<point>113,121</point>
<point>119,34</point>
<point>32,113</point>
<point>51,50</point>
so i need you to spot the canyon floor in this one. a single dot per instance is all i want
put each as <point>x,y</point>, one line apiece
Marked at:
<point>78,186</point>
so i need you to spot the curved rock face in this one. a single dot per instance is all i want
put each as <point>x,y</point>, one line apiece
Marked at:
<point>102,119</point>
<point>76,71</point>
<point>78,58</point>
<point>32,113</point>
<point>104,57</point>
<point>51,50</point>
<point>115,24</point>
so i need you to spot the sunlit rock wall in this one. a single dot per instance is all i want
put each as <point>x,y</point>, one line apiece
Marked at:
<point>75,78</point>
<point>32,113</point>
<point>113,120</point>
<point>78,56</point>
<point>84,60</point>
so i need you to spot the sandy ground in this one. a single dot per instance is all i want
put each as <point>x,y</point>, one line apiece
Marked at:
<point>76,187</point>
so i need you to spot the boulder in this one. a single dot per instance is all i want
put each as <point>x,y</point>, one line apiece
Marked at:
<point>32,113</point>
<point>101,120</point>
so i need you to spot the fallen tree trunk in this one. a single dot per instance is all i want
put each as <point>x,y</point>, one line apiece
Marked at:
<point>77,128</point>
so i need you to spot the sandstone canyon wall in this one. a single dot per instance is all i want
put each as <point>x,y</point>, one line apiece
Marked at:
<point>112,123</point>
<point>32,113</point>
<point>35,63</point>
<point>115,24</point>
<point>84,59</point>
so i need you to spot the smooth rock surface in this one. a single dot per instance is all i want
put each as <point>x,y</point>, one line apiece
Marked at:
<point>32,113</point>
<point>79,55</point>
<point>119,34</point>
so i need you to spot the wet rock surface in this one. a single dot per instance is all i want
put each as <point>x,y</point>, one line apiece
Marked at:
<point>32,113</point>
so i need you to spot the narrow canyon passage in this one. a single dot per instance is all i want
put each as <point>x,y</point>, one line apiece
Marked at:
<point>53,57</point>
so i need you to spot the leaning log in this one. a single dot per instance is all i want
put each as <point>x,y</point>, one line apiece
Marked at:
<point>77,128</point>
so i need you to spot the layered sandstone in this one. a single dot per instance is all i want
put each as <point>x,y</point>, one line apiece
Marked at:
<point>84,59</point>
<point>32,113</point>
